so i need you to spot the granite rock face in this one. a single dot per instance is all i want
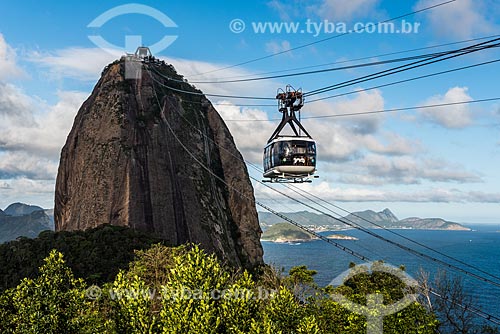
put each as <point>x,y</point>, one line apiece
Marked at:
<point>138,155</point>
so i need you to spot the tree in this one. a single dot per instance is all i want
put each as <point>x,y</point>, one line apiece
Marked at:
<point>335,317</point>
<point>131,303</point>
<point>451,302</point>
<point>54,302</point>
<point>185,290</point>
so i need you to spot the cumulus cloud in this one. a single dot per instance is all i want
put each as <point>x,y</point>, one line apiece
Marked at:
<point>29,151</point>
<point>429,195</point>
<point>45,136</point>
<point>391,144</point>
<point>376,169</point>
<point>250,137</point>
<point>20,164</point>
<point>74,63</point>
<point>346,138</point>
<point>77,63</point>
<point>454,116</point>
<point>463,19</point>
<point>289,9</point>
<point>15,106</point>
<point>8,65</point>
<point>341,140</point>
<point>39,192</point>
<point>362,101</point>
<point>204,75</point>
<point>340,10</point>
<point>275,47</point>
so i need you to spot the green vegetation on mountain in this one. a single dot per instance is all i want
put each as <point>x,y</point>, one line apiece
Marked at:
<point>184,290</point>
<point>28,225</point>
<point>286,232</point>
<point>95,255</point>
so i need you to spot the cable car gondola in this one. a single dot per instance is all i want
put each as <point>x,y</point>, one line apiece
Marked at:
<point>290,158</point>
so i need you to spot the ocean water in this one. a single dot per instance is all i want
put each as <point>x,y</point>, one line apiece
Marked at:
<point>480,248</point>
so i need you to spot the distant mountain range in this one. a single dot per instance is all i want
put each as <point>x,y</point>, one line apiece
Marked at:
<point>23,220</point>
<point>21,209</point>
<point>384,218</point>
<point>20,219</point>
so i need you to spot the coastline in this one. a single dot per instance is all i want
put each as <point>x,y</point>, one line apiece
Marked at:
<point>283,240</point>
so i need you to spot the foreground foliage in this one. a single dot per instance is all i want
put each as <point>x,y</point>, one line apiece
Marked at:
<point>184,290</point>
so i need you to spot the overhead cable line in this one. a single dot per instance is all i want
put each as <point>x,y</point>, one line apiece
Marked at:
<point>408,80</point>
<point>367,231</point>
<point>325,39</point>
<point>354,92</point>
<point>375,63</point>
<point>357,226</point>
<point>406,67</point>
<point>473,310</point>
<point>301,193</point>
<point>371,112</point>
<point>428,61</point>
<point>358,59</point>
<point>215,95</point>
<point>265,207</point>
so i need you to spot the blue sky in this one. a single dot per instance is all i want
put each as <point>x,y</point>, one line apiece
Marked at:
<point>433,162</point>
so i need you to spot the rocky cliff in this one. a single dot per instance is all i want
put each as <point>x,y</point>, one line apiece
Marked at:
<point>129,160</point>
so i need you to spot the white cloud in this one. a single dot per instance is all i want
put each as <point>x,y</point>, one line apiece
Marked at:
<point>362,101</point>
<point>29,151</point>
<point>376,169</point>
<point>454,116</point>
<point>281,8</point>
<point>275,47</point>
<point>15,106</point>
<point>339,139</point>
<point>345,138</point>
<point>391,144</point>
<point>78,63</point>
<point>20,164</point>
<point>429,195</point>
<point>250,137</point>
<point>341,10</point>
<point>8,66</point>
<point>38,192</point>
<point>87,64</point>
<point>198,72</point>
<point>290,9</point>
<point>462,19</point>
<point>46,135</point>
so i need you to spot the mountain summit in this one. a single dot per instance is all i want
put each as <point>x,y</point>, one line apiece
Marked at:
<point>21,209</point>
<point>132,159</point>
